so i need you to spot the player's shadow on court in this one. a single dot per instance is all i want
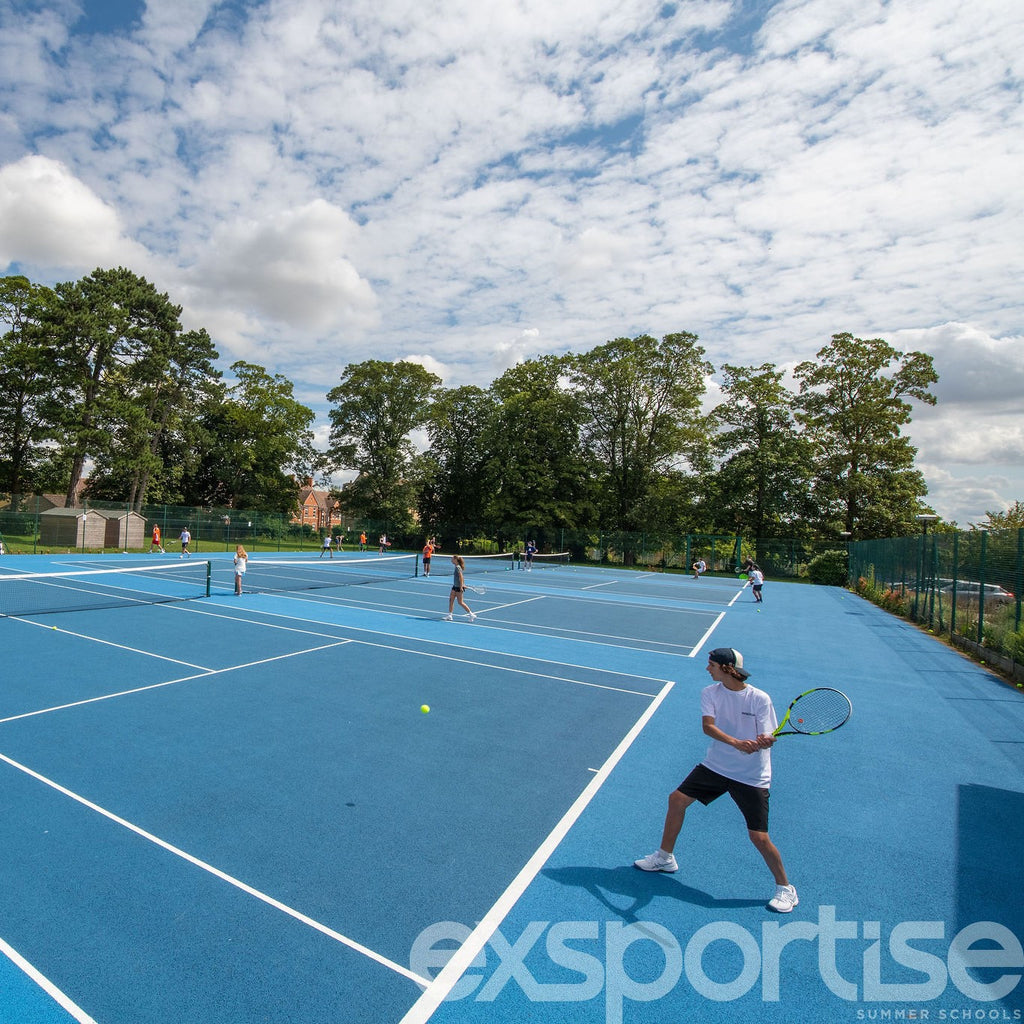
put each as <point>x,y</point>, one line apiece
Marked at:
<point>613,886</point>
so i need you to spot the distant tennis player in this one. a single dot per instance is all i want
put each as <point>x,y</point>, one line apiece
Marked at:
<point>186,539</point>
<point>756,582</point>
<point>241,564</point>
<point>458,589</point>
<point>740,720</point>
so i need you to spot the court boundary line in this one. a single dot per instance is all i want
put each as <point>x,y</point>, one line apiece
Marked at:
<point>498,626</point>
<point>631,601</point>
<point>217,873</point>
<point>448,643</point>
<point>109,643</point>
<point>60,998</point>
<point>172,682</point>
<point>449,975</point>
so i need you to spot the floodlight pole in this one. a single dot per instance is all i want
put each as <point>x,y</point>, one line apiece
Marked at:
<point>924,518</point>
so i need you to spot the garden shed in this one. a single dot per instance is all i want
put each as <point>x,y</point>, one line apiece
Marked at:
<point>72,528</point>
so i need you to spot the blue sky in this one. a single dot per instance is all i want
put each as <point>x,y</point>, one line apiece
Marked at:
<point>469,184</point>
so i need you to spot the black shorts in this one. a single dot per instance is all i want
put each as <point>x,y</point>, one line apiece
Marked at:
<point>706,786</point>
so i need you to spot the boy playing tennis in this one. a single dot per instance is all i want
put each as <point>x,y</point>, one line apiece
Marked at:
<point>740,720</point>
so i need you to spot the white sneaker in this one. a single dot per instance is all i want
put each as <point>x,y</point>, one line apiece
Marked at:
<point>448,618</point>
<point>657,861</point>
<point>784,900</point>
<point>472,617</point>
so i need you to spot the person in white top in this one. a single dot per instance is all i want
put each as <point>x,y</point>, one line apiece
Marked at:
<point>756,583</point>
<point>740,720</point>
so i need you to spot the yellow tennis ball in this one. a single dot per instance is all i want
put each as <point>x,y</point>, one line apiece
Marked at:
<point>425,708</point>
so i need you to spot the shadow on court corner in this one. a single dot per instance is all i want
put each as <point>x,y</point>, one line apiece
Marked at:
<point>639,887</point>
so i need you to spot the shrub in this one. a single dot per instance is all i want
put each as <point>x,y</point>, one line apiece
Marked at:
<point>828,569</point>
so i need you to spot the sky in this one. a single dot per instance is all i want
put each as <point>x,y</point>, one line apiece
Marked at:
<point>471,183</point>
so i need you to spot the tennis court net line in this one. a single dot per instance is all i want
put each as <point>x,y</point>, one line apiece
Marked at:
<point>44,593</point>
<point>548,561</point>
<point>486,563</point>
<point>284,576</point>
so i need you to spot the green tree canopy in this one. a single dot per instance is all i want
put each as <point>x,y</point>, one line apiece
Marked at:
<point>536,473</point>
<point>853,403</point>
<point>258,440</point>
<point>641,401</point>
<point>27,410</point>
<point>375,409</point>
<point>762,484</point>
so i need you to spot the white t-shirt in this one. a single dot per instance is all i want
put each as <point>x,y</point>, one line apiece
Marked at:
<point>241,564</point>
<point>743,714</point>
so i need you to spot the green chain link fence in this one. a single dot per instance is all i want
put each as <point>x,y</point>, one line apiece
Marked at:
<point>967,585</point>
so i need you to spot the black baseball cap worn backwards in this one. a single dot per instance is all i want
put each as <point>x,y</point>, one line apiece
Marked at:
<point>731,658</point>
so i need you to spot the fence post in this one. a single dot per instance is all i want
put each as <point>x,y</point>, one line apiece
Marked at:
<point>1020,576</point>
<point>981,587</point>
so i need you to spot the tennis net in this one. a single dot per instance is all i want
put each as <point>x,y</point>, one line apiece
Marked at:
<point>549,561</point>
<point>490,563</point>
<point>43,593</point>
<point>280,576</point>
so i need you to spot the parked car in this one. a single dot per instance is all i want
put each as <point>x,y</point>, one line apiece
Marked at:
<point>967,590</point>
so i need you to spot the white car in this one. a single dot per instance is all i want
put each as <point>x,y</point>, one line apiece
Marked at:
<point>966,590</point>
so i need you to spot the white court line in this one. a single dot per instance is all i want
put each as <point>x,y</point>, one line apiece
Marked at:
<point>110,643</point>
<point>208,673</point>
<point>739,594</point>
<point>656,646</point>
<point>464,956</point>
<point>217,873</point>
<point>461,660</point>
<point>45,984</point>
<point>710,630</point>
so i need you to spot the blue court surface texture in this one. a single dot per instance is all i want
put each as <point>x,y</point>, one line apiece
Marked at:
<point>232,810</point>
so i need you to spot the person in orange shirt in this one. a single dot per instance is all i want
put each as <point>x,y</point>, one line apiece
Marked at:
<point>428,551</point>
<point>156,542</point>
<point>362,541</point>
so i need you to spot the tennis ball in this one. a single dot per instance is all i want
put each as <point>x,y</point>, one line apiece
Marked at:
<point>1020,686</point>
<point>425,708</point>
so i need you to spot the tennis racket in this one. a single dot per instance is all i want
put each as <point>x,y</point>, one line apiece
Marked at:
<point>816,711</point>
<point>477,590</point>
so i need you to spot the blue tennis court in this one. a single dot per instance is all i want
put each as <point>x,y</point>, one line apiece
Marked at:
<point>233,809</point>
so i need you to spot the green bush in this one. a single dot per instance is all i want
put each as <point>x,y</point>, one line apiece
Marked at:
<point>828,569</point>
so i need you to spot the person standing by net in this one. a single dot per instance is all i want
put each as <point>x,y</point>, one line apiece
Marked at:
<point>428,552</point>
<point>241,564</point>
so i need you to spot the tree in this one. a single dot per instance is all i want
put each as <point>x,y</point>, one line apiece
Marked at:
<point>258,438</point>
<point>641,400</point>
<point>109,331</point>
<point>1011,519</point>
<point>452,488</point>
<point>168,389</point>
<point>376,407</point>
<point>763,483</point>
<point>536,474</point>
<point>27,409</point>
<point>853,404</point>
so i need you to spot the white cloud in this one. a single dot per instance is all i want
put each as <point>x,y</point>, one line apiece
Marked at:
<point>51,222</point>
<point>319,183</point>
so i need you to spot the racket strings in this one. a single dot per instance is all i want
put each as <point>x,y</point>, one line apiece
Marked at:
<point>819,711</point>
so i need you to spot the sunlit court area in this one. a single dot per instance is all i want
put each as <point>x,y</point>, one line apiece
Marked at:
<point>319,801</point>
